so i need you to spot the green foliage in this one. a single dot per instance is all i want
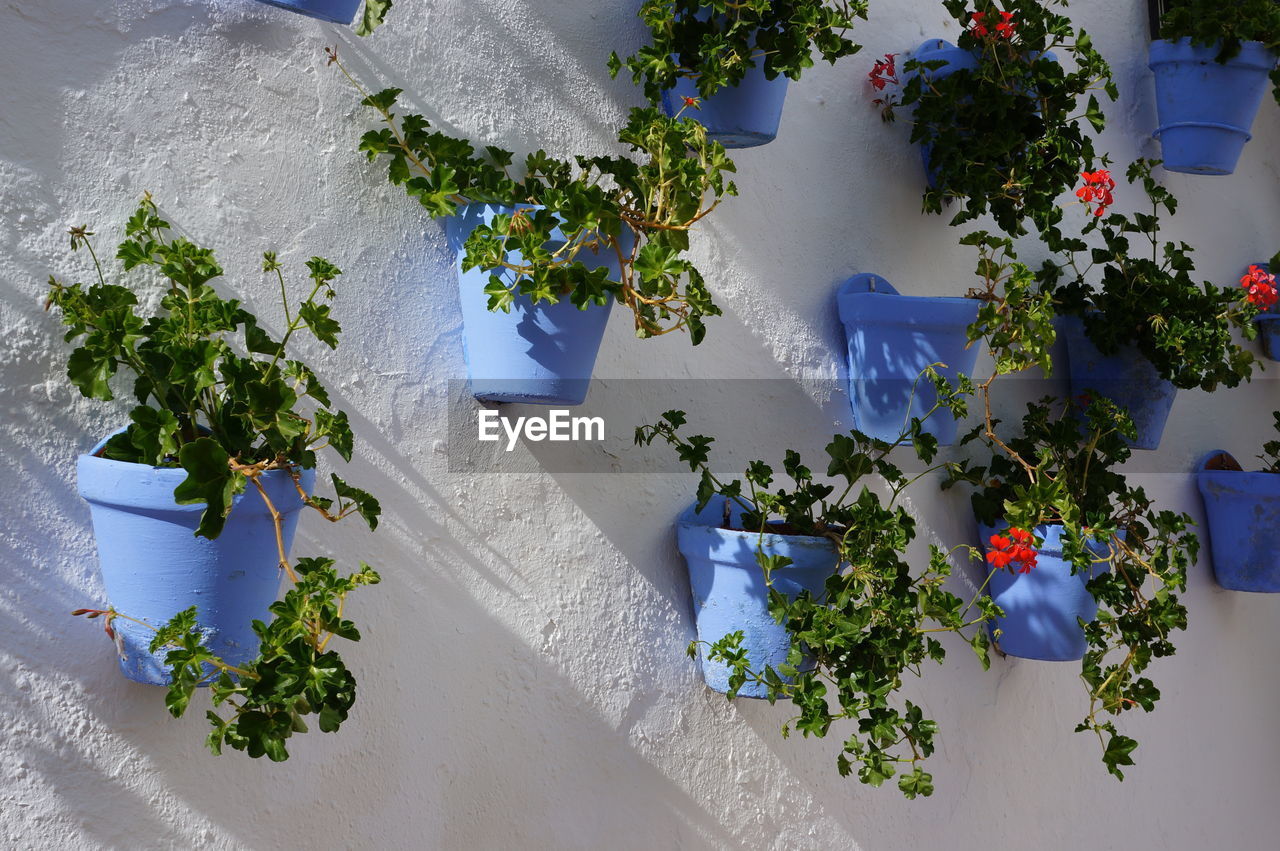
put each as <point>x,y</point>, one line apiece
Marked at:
<point>877,616</point>
<point>716,43</point>
<point>1061,470</point>
<point>1271,449</point>
<point>1184,328</point>
<point>638,208</point>
<point>217,397</point>
<point>1009,137</point>
<point>1017,321</point>
<point>1226,24</point>
<point>257,707</point>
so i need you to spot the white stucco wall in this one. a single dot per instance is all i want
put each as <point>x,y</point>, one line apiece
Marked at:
<point>523,677</point>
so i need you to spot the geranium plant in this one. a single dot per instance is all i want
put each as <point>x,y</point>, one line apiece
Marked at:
<point>640,208</point>
<point>220,398</point>
<point>715,43</point>
<point>1226,25</point>
<point>1144,294</point>
<point>1060,469</point>
<point>1008,135</point>
<point>878,617</point>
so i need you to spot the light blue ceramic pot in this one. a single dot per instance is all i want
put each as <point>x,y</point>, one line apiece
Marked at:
<point>742,116</point>
<point>1127,378</point>
<point>890,338</point>
<point>538,354</point>
<point>729,591</point>
<point>1243,514</point>
<point>1206,108</point>
<point>333,11</point>
<point>1041,607</point>
<point>153,565</point>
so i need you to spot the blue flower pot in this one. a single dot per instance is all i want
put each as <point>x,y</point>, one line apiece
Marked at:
<point>1205,107</point>
<point>1268,325</point>
<point>957,59</point>
<point>890,339</point>
<point>539,354</point>
<point>741,116</point>
<point>729,591</point>
<point>333,11</point>
<point>153,566</point>
<point>1127,378</point>
<point>1043,608</point>
<point>1243,514</point>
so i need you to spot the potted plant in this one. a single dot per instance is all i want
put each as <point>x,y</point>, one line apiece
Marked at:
<point>1082,564</point>
<point>1145,328</point>
<point>563,239</point>
<point>731,60</point>
<point>339,11</point>
<point>1091,569</point>
<point>1243,514</point>
<point>804,593</point>
<point>1260,284</point>
<point>196,500</point>
<point>1001,123</point>
<point>1211,64</point>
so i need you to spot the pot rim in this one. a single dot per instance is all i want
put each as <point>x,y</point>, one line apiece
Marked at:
<point>1253,54</point>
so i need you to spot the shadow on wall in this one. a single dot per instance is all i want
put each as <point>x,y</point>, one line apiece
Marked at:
<point>459,717</point>
<point>569,49</point>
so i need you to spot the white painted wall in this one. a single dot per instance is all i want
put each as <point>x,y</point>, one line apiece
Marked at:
<point>523,678</point>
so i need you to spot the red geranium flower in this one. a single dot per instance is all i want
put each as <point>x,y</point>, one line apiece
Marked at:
<point>1006,26</point>
<point>1097,190</point>
<point>884,72</point>
<point>1017,549</point>
<point>981,25</point>
<point>1260,287</point>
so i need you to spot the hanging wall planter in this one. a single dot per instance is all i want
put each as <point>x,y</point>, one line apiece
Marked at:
<point>890,339</point>
<point>957,59</point>
<point>153,566</point>
<point>730,63</point>
<point>741,116</point>
<point>1242,511</point>
<point>537,353</point>
<point>729,591</point>
<point>332,11</point>
<point>1206,107</point>
<point>1041,607</point>
<point>1127,378</point>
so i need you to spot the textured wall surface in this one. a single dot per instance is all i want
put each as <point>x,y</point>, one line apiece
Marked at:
<point>523,678</point>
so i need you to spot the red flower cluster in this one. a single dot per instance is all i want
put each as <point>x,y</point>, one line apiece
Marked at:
<point>1015,548</point>
<point>693,102</point>
<point>1261,287</point>
<point>1097,189</point>
<point>884,72</point>
<point>982,25</point>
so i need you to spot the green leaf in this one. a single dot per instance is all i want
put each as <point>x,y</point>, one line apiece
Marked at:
<point>154,433</point>
<point>324,327</point>
<point>89,371</point>
<point>209,480</point>
<point>364,503</point>
<point>372,16</point>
